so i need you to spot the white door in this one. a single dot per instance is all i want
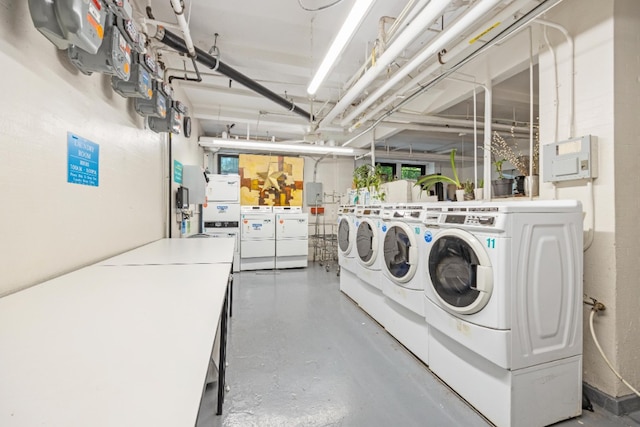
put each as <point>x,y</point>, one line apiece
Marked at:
<point>258,227</point>
<point>400,253</point>
<point>292,226</point>
<point>223,188</point>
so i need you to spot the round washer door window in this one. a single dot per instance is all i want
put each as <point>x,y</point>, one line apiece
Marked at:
<point>400,252</point>
<point>345,240</point>
<point>367,242</point>
<point>460,272</point>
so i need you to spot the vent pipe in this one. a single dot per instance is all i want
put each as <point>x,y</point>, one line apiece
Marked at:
<point>175,42</point>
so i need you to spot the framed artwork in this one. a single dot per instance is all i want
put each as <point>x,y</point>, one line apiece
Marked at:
<point>271,180</point>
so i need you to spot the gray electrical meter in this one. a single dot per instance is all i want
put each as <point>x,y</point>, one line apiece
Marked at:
<point>121,8</point>
<point>70,22</point>
<point>113,57</point>
<point>140,83</point>
<point>156,106</point>
<point>171,123</point>
<point>131,34</point>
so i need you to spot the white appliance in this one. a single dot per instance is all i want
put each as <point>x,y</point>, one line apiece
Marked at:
<point>504,307</point>
<point>346,250</point>
<point>292,237</point>
<point>368,292</point>
<point>257,238</point>
<point>223,188</point>
<point>403,277</point>
<point>221,212</point>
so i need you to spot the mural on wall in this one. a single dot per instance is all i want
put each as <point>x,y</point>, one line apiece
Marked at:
<point>271,180</point>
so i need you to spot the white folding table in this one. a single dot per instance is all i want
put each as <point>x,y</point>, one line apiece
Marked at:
<point>117,346</point>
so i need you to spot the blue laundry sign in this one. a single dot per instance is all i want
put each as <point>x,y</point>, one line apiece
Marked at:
<point>83,161</point>
<point>428,237</point>
<point>177,172</point>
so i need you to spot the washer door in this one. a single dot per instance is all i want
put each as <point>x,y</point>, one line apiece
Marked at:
<point>345,237</point>
<point>460,272</point>
<point>367,242</point>
<point>400,252</point>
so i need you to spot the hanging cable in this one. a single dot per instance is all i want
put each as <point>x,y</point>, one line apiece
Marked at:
<point>598,306</point>
<point>318,8</point>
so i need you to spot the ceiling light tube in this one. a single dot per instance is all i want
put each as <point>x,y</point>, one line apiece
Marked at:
<point>242,144</point>
<point>468,20</point>
<point>351,24</point>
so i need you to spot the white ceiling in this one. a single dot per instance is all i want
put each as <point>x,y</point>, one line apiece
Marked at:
<point>279,44</point>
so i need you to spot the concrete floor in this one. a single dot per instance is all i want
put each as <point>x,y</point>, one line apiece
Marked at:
<point>301,353</point>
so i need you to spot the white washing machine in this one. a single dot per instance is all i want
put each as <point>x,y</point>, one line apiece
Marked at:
<point>257,238</point>
<point>403,276</point>
<point>504,308</point>
<point>292,237</point>
<point>221,212</point>
<point>346,250</point>
<point>368,293</point>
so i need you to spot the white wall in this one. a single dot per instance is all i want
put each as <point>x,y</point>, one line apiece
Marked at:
<point>606,102</point>
<point>48,226</point>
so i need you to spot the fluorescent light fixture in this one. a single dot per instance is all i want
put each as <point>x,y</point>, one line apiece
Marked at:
<point>243,144</point>
<point>351,24</point>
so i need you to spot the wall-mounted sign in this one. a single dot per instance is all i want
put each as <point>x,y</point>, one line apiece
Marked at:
<point>83,161</point>
<point>177,172</point>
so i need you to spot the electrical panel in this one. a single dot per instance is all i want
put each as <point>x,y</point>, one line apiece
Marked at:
<point>140,83</point>
<point>156,106</point>
<point>194,179</point>
<point>572,159</point>
<point>313,193</point>
<point>113,56</point>
<point>171,123</point>
<point>70,22</point>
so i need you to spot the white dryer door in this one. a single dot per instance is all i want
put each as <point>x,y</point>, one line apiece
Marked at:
<point>258,227</point>
<point>345,235</point>
<point>367,241</point>
<point>460,271</point>
<point>292,226</point>
<point>400,252</point>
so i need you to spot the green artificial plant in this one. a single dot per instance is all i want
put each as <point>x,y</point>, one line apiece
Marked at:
<point>426,182</point>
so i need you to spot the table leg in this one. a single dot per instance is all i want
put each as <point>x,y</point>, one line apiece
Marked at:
<point>223,353</point>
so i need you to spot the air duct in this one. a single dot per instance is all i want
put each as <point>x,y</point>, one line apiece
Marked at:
<point>175,42</point>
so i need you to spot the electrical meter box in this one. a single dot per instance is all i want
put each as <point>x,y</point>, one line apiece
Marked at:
<point>171,123</point>
<point>140,83</point>
<point>313,193</point>
<point>130,32</point>
<point>572,159</point>
<point>194,179</point>
<point>113,56</point>
<point>70,22</point>
<point>156,106</point>
<point>121,8</point>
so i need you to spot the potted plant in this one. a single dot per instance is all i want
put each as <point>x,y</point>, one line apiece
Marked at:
<point>428,181</point>
<point>369,178</point>
<point>468,189</point>
<point>503,151</point>
<point>501,187</point>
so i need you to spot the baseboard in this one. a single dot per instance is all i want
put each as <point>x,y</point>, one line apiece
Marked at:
<point>616,405</point>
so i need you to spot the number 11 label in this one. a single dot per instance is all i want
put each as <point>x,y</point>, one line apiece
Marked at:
<point>491,243</point>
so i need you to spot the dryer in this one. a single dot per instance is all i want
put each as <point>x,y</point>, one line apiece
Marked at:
<point>368,293</point>
<point>346,250</point>
<point>257,238</point>
<point>504,308</point>
<point>403,277</point>
<point>221,212</point>
<point>292,236</point>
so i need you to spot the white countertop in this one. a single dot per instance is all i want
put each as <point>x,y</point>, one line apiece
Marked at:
<point>116,346</point>
<point>178,251</point>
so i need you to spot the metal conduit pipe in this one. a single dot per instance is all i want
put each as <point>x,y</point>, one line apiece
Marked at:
<point>425,18</point>
<point>175,42</point>
<point>176,5</point>
<point>503,16</point>
<point>509,31</point>
<point>459,26</point>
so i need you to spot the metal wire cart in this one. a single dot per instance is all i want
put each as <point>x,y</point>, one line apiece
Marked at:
<point>324,239</point>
